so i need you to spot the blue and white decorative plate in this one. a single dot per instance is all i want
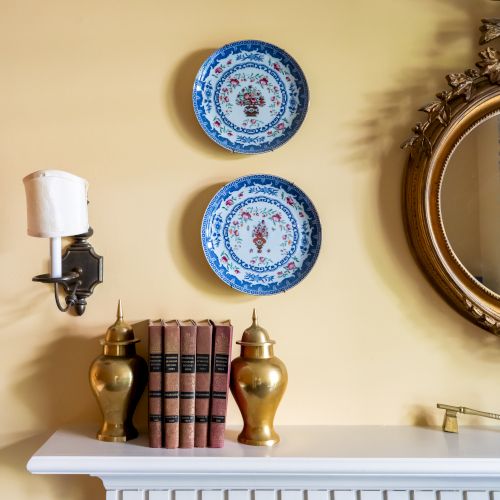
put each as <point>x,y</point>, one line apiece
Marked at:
<point>261,234</point>
<point>250,97</point>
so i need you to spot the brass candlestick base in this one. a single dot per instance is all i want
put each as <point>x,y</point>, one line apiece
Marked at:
<point>258,382</point>
<point>117,378</point>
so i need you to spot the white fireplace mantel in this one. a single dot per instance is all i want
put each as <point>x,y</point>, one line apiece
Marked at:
<point>311,462</point>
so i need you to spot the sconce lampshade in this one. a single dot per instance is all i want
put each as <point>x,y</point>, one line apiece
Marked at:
<point>56,204</point>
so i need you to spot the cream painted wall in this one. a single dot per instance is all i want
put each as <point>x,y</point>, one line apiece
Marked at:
<point>102,88</point>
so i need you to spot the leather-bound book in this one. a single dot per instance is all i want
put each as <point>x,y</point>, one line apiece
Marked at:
<point>221,364</point>
<point>203,380</point>
<point>187,384</point>
<point>155,353</point>
<point>171,354</point>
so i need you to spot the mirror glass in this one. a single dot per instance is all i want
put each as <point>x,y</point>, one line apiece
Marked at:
<point>470,202</point>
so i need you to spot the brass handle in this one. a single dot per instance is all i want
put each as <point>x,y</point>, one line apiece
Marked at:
<point>450,422</point>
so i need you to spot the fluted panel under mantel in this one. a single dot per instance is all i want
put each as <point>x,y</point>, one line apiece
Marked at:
<point>301,495</point>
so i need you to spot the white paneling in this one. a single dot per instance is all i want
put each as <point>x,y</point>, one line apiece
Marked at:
<point>185,495</point>
<point>424,495</point>
<point>238,495</point>
<point>159,495</point>
<point>370,495</point>
<point>266,495</point>
<point>311,494</point>
<point>318,495</point>
<point>397,495</point>
<point>133,495</point>
<point>292,495</point>
<point>450,495</point>
<point>477,495</point>
<point>345,495</point>
<point>212,495</point>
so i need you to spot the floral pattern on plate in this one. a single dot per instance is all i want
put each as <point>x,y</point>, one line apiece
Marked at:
<point>261,234</point>
<point>250,96</point>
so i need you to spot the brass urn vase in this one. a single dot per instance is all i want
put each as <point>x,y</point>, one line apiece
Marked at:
<point>258,382</point>
<point>118,377</point>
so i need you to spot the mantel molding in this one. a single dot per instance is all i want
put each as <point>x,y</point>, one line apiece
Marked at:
<point>309,458</point>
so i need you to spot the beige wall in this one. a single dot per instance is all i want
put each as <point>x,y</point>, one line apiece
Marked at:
<point>102,88</point>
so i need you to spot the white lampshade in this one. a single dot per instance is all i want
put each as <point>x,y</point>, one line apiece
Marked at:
<point>56,204</point>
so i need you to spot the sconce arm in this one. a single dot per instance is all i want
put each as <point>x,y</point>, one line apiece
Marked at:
<point>70,299</point>
<point>82,270</point>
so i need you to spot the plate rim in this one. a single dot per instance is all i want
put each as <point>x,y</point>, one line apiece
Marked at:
<point>215,137</point>
<point>311,210</point>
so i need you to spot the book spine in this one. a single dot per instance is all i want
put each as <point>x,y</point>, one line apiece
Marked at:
<point>187,386</point>
<point>171,341</point>
<point>221,366</point>
<point>203,379</point>
<point>155,384</point>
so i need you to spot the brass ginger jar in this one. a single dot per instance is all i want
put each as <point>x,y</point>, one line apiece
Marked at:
<point>118,377</point>
<point>258,382</point>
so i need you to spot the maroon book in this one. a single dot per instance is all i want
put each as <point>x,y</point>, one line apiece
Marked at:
<point>203,379</point>
<point>187,383</point>
<point>155,351</point>
<point>221,365</point>
<point>171,353</point>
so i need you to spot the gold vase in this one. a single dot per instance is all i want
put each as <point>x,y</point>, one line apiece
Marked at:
<point>258,382</point>
<point>118,377</point>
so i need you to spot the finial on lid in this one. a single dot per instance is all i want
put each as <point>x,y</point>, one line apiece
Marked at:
<point>120,332</point>
<point>255,335</point>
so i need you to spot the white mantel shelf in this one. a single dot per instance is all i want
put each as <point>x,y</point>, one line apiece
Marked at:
<point>308,459</point>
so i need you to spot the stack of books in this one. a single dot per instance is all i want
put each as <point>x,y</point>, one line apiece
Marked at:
<point>189,364</point>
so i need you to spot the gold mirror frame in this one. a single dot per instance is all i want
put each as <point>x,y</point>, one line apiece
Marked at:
<point>473,97</point>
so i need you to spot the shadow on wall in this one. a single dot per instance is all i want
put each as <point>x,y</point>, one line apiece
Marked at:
<point>184,238</point>
<point>423,416</point>
<point>141,413</point>
<point>13,310</point>
<point>55,388</point>
<point>13,459</point>
<point>386,123</point>
<point>183,233</point>
<point>179,107</point>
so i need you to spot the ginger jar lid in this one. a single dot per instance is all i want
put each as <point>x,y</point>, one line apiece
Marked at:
<point>120,332</point>
<point>255,335</point>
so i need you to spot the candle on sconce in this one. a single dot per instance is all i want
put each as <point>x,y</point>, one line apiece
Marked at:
<point>56,207</point>
<point>55,257</point>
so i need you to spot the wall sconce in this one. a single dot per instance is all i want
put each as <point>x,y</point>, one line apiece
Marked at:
<point>57,207</point>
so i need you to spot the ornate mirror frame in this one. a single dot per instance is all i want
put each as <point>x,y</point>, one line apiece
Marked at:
<point>473,97</point>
